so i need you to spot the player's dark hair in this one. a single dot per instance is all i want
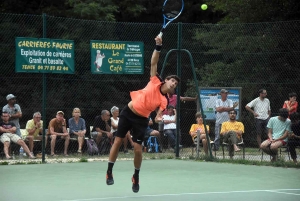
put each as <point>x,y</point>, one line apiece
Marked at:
<point>174,77</point>
<point>283,112</point>
<point>292,95</point>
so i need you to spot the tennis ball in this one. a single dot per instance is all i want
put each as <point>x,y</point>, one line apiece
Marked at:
<point>203,6</point>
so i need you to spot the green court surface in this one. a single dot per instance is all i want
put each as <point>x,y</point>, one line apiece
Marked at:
<point>159,180</point>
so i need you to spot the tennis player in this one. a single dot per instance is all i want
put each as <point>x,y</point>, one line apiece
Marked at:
<point>135,115</point>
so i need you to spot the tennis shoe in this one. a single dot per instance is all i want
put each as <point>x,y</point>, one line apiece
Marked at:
<point>135,184</point>
<point>109,179</point>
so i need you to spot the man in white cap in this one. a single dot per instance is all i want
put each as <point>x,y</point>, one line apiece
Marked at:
<point>223,105</point>
<point>14,111</point>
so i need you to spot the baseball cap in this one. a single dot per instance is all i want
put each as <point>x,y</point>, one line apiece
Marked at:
<point>60,112</point>
<point>10,96</point>
<point>223,91</point>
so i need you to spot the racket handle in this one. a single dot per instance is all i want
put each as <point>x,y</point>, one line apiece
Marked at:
<point>160,34</point>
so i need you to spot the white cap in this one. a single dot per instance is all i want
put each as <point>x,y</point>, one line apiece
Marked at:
<point>10,96</point>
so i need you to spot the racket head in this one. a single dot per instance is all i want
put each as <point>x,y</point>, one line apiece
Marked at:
<point>172,9</point>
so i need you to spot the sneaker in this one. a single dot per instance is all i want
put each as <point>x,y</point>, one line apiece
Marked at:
<point>109,179</point>
<point>135,184</point>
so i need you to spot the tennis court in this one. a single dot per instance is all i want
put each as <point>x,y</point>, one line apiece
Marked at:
<point>159,180</point>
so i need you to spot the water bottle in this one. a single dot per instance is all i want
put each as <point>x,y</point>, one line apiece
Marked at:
<point>21,152</point>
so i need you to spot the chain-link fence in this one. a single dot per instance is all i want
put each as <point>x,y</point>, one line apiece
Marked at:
<point>250,56</point>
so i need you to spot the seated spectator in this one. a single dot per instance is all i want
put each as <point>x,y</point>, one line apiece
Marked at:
<point>102,125</point>
<point>34,130</point>
<point>170,125</point>
<point>199,126</point>
<point>232,132</point>
<point>151,132</point>
<point>114,127</point>
<point>294,137</point>
<point>278,129</point>
<point>291,105</point>
<point>57,129</point>
<point>77,128</point>
<point>7,132</point>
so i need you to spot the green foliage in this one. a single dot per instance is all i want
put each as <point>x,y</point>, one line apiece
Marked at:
<point>93,9</point>
<point>83,160</point>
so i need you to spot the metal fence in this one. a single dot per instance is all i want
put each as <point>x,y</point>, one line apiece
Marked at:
<point>250,56</point>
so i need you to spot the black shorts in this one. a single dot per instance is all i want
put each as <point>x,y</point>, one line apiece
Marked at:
<point>127,121</point>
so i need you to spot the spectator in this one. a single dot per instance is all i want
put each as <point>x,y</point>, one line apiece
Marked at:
<point>291,105</point>
<point>57,129</point>
<point>278,129</point>
<point>77,127</point>
<point>294,137</point>
<point>34,130</point>
<point>170,125</point>
<point>223,105</point>
<point>261,111</point>
<point>14,111</point>
<point>232,132</point>
<point>151,132</point>
<point>200,126</point>
<point>114,127</point>
<point>102,125</point>
<point>7,132</point>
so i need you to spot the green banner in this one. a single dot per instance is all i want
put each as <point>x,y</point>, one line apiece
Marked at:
<point>117,57</point>
<point>44,55</point>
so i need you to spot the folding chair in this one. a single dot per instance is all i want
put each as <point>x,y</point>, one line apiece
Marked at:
<point>241,144</point>
<point>280,152</point>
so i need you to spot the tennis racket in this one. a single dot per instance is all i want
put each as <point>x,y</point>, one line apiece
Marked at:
<point>171,10</point>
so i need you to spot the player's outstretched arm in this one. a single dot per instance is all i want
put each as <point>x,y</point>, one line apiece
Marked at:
<point>155,56</point>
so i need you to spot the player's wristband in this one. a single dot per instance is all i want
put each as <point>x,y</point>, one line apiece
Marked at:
<point>158,48</point>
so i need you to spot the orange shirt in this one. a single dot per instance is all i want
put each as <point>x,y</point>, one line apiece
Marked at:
<point>146,100</point>
<point>294,106</point>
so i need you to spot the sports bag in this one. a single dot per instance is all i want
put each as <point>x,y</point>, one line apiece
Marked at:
<point>152,144</point>
<point>92,147</point>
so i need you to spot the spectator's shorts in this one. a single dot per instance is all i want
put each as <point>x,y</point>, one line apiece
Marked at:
<point>261,126</point>
<point>282,141</point>
<point>7,137</point>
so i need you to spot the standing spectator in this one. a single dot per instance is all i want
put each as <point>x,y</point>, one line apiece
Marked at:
<point>34,130</point>
<point>200,126</point>
<point>294,138</point>
<point>151,132</point>
<point>114,127</point>
<point>223,105</point>
<point>278,129</point>
<point>57,129</point>
<point>102,125</point>
<point>170,125</point>
<point>261,112</point>
<point>291,105</point>
<point>14,111</point>
<point>232,132</point>
<point>77,127</point>
<point>7,132</point>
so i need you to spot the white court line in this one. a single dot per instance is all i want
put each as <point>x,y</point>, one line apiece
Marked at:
<point>181,194</point>
<point>284,193</point>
